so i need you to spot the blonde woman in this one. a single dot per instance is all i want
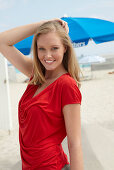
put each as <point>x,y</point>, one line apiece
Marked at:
<point>49,109</point>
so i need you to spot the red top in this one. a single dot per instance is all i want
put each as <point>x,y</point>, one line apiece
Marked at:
<point>41,124</point>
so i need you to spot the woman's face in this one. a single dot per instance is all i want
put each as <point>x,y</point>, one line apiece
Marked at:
<point>50,51</point>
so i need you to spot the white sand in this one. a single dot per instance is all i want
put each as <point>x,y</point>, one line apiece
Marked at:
<point>97,115</point>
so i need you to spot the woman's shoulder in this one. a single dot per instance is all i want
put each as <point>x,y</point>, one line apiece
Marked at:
<point>68,80</point>
<point>70,91</point>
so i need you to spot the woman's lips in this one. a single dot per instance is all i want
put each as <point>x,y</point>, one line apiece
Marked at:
<point>49,61</point>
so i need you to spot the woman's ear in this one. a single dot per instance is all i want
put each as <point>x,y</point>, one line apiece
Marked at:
<point>65,49</point>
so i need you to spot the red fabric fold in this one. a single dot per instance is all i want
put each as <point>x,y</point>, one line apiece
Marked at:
<point>41,124</point>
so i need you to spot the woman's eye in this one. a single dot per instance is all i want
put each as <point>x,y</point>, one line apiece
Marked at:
<point>41,48</point>
<point>55,48</point>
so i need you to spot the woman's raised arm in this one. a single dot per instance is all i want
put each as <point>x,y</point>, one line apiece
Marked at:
<point>9,38</point>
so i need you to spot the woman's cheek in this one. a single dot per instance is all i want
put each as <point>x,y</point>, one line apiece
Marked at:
<point>40,55</point>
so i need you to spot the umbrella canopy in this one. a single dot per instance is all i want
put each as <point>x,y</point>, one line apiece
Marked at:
<point>25,45</point>
<point>81,30</point>
<point>91,59</point>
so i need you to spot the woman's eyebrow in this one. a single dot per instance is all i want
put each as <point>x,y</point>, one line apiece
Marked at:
<point>39,46</point>
<point>55,45</point>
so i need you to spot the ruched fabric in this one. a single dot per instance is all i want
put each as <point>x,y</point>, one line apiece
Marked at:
<point>41,124</point>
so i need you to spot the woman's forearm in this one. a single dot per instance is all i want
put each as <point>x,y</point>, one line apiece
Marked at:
<point>14,35</point>
<point>76,158</point>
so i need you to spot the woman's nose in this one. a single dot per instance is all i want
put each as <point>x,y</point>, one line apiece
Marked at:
<point>48,54</point>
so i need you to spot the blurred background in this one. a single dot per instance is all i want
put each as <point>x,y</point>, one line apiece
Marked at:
<point>97,88</point>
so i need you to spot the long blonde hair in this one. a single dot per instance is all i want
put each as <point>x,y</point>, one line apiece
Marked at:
<point>70,62</point>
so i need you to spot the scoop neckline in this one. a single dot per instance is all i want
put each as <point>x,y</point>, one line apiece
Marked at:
<point>33,97</point>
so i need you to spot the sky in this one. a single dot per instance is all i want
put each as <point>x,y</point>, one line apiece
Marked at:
<point>14,13</point>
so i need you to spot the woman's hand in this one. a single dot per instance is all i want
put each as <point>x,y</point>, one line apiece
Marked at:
<point>63,23</point>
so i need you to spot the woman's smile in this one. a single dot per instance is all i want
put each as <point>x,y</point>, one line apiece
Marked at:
<point>49,61</point>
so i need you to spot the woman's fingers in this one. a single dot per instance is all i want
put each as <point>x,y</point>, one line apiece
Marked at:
<point>63,23</point>
<point>65,26</point>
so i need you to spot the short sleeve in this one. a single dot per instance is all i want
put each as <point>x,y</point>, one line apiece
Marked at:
<point>70,93</point>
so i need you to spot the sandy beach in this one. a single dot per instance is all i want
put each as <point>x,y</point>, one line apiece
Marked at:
<point>97,117</point>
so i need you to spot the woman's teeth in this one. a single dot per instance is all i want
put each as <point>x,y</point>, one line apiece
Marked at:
<point>49,61</point>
